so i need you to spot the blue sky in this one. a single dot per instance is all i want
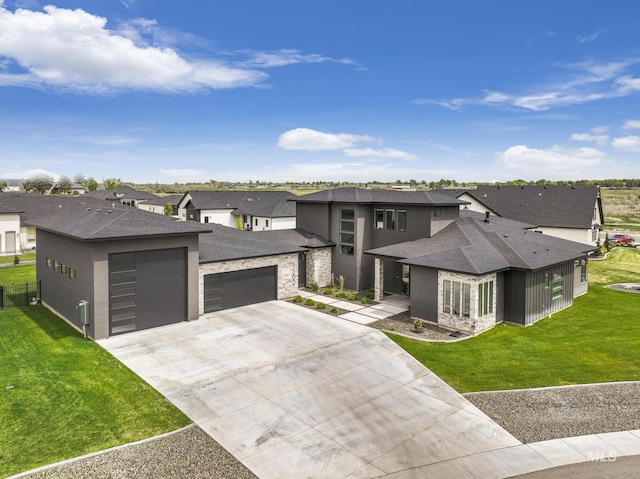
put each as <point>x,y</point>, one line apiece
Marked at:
<point>349,90</point>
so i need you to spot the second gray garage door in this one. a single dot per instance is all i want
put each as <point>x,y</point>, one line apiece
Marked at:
<point>239,288</point>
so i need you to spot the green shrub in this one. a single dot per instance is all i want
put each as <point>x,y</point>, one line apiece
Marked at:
<point>328,291</point>
<point>352,297</point>
<point>341,294</point>
<point>313,286</point>
<point>297,298</point>
<point>309,302</point>
<point>366,300</point>
<point>320,305</point>
<point>334,310</point>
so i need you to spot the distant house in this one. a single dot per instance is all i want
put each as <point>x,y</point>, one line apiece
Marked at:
<point>125,195</point>
<point>463,270</point>
<point>569,212</point>
<point>76,189</point>
<point>18,209</point>
<point>158,204</point>
<point>252,210</point>
<point>13,184</point>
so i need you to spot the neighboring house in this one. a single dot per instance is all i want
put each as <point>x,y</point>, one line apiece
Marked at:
<point>134,270</point>
<point>569,212</point>
<point>462,270</point>
<point>125,195</point>
<point>13,185</point>
<point>252,210</point>
<point>158,204</point>
<point>9,229</point>
<point>76,189</point>
<point>35,205</point>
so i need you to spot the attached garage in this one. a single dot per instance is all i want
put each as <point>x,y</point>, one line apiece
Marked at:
<point>147,289</point>
<point>240,288</point>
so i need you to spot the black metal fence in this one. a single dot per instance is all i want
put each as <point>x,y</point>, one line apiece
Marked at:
<point>19,295</point>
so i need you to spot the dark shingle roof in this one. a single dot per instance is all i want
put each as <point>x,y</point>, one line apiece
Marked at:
<point>554,206</point>
<point>96,224</point>
<point>362,196</point>
<point>226,244</point>
<point>272,204</point>
<point>294,237</point>
<point>124,192</point>
<point>34,205</point>
<point>473,246</point>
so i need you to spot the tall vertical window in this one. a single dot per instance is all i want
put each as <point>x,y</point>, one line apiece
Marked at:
<point>378,219</point>
<point>556,292</point>
<point>389,219</point>
<point>401,223</point>
<point>347,232</point>
<point>583,270</point>
<point>485,298</point>
<point>456,298</point>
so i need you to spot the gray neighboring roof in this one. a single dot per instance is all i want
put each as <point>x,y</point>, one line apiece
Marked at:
<point>472,246</point>
<point>294,237</point>
<point>362,196</point>
<point>35,205</point>
<point>124,192</point>
<point>226,244</point>
<point>163,200</point>
<point>554,206</point>
<point>99,224</point>
<point>272,204</point>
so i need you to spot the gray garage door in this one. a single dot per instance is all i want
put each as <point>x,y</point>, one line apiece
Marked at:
<point>239,288</point>
<point>147,289</point>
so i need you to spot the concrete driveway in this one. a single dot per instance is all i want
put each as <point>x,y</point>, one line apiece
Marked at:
<point>296,393</point>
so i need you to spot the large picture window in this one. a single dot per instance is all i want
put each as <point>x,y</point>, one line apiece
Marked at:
<point>390,219</point>
<point>485,298</point>
<point>347,232</point>
<point>456,298</point>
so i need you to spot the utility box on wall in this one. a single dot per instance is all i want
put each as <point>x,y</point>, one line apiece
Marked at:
<point>83,307</point>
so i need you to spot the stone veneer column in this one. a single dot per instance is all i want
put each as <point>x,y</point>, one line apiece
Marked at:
<point>378,280</point>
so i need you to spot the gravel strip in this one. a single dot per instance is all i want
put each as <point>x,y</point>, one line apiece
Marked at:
<point>188,454</point>
<point>554,413</point>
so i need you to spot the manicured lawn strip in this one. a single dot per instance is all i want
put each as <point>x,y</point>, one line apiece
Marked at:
<point>17,274</point>
<point>63,396</point>
<point>8,259</point>
<point>595,340</point>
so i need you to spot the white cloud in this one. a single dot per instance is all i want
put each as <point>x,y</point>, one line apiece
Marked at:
<point>631,125</point>
<point>589,38</point>
<point>31,173</point>
<point>313,140</point>
<point>590,137</point>
<point>627,143</point>
<point>551,160</point>
<point>627,84</point>
<point>74,50</point>
<point>387,153</point>
<point>285,57</point>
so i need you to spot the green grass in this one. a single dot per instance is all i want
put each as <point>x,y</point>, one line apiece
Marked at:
<point>63,396</point>
<point>17,274</point>
<point>595,340</point>
<point>23,257</point>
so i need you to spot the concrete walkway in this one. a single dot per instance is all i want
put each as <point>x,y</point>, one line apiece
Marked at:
<point>296,393</point>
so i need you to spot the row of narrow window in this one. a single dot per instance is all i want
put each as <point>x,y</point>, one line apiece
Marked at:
<point>61,268</point>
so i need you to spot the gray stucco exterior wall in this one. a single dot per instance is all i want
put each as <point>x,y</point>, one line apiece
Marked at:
<point>424,293</point>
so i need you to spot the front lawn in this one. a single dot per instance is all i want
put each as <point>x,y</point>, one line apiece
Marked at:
<point>63,396</point>
<point>17,274</point>
<point>595,340</point>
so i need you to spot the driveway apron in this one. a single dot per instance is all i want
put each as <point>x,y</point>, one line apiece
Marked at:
<point>296,393</point>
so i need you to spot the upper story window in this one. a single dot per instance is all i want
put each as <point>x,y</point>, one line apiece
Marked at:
<point>390,219</point>
<point>347,232</point>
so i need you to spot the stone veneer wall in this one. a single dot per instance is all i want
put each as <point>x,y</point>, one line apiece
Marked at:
<point>287,272</point>
<point>473,324</point>
<point>319,266</point>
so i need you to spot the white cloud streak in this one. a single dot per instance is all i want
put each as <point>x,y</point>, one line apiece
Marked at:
<point>313,140</point>
<point>631,125</point>
<point>551,160</point>
<point>588,81</point>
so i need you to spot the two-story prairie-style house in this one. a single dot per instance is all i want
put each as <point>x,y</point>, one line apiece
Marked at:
<point>463,270</point>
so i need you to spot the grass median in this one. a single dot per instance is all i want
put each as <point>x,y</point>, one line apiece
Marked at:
<point>62,396</point>
<point>595,340</point>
